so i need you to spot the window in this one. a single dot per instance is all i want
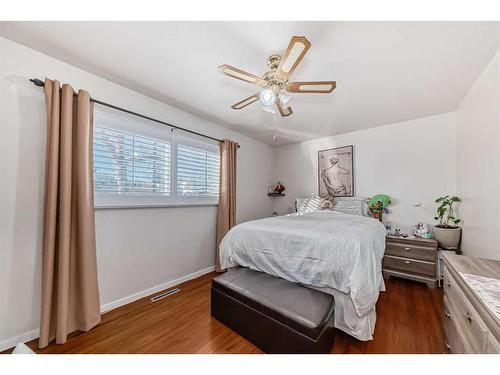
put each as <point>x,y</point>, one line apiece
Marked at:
<point>197,172</point>
<point>140,163</point>
<point>128,163</point>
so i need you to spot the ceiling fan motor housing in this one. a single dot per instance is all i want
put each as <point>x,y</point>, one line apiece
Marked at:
<point>273,61</point>
<point>274,81</point>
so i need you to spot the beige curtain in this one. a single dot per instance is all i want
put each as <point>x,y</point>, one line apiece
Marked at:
<point>227,193</point>
<point>70,296</point>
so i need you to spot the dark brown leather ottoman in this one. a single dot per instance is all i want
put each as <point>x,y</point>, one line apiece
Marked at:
<point>274,314</point>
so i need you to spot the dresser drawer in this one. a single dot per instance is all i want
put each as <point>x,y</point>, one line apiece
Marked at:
<point>409,250</point>
<point>410,265</point>
<point>453,341</point>
<point>471,327</point>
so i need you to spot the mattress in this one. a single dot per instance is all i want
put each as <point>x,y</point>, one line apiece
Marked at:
<point>331,251</point>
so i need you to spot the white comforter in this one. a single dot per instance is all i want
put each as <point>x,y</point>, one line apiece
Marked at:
<point>321,248</point>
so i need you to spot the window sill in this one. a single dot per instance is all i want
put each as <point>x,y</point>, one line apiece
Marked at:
<point>159,205</point>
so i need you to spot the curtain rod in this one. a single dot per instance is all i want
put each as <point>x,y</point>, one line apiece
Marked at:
<point>40,83</point>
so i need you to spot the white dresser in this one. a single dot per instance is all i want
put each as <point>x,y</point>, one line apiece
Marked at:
<point>470,325</point>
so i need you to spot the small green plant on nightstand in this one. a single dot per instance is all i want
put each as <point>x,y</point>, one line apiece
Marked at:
<point>447,232</point>
<point>446,212</point>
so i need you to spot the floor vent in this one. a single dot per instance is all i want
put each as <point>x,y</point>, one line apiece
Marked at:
<point>165,295</point>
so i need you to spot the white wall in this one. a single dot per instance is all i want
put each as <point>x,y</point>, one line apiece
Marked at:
<point>478,164</point>
<point>137,249</point>
<point>403,160</point>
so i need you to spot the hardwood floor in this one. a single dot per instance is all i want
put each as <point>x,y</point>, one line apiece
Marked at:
<point>408,321</point>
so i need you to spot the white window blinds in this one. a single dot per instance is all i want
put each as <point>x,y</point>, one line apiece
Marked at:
<point>197,172</point>
<point>140,163</point>
<point>129,163</point>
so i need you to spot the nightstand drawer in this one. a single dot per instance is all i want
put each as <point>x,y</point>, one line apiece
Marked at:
<point>407,250</point>
<point>410,265</point>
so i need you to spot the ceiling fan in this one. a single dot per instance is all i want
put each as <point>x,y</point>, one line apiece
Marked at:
<point>275,82</point>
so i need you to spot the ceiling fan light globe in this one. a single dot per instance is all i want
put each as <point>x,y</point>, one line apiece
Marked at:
<point>268,109</point>
<point>267,97</point>
<point>284,98</point>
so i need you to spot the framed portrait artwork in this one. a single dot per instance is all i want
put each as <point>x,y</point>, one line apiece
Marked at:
<point>336,172</point>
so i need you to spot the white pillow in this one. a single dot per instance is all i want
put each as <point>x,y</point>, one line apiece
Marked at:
<point>351,205</point>
<point>308,204</point>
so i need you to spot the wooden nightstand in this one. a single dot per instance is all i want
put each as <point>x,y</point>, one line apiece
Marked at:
<point>413,259</point>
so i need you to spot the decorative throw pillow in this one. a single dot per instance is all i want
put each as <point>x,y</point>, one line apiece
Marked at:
<point>351,205</point>
<point>308,204</point>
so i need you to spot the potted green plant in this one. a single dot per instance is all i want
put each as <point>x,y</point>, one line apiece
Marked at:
<point>447,232</point>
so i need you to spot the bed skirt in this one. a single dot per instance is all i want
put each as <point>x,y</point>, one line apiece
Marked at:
<point>346,317</point>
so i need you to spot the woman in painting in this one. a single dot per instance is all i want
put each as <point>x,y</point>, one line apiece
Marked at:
<point>331,177</point>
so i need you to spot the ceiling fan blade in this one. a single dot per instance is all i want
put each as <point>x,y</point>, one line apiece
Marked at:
<point>284,111</point>
<point>242,75</point>
<point>295,52</point>
<point>245,102</point>
<point>318,87</point>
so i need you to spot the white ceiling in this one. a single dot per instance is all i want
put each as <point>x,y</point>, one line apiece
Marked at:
<point>386,72</point>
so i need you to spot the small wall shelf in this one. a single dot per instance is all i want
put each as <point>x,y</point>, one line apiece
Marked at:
<point>275,194</point>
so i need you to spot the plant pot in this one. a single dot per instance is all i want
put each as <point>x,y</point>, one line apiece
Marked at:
<point>448,238</point>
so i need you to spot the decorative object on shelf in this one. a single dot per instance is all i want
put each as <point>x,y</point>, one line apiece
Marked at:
<point>378,205</point>
<point>422,230</point>
<point>279,188</point>
<point>447,232</point>
<point>275,214</point>
<point>336,172</point>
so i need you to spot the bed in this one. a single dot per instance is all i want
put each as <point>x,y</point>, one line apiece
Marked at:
<point>335,252</point>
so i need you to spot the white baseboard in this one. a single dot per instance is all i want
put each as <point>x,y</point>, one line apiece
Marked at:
<point>13,341</point>
<point>31,335</point>
<point>134,297</point>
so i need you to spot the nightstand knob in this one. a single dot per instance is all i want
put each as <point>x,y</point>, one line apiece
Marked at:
<point>407,262</point>
<point>407,248</point>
